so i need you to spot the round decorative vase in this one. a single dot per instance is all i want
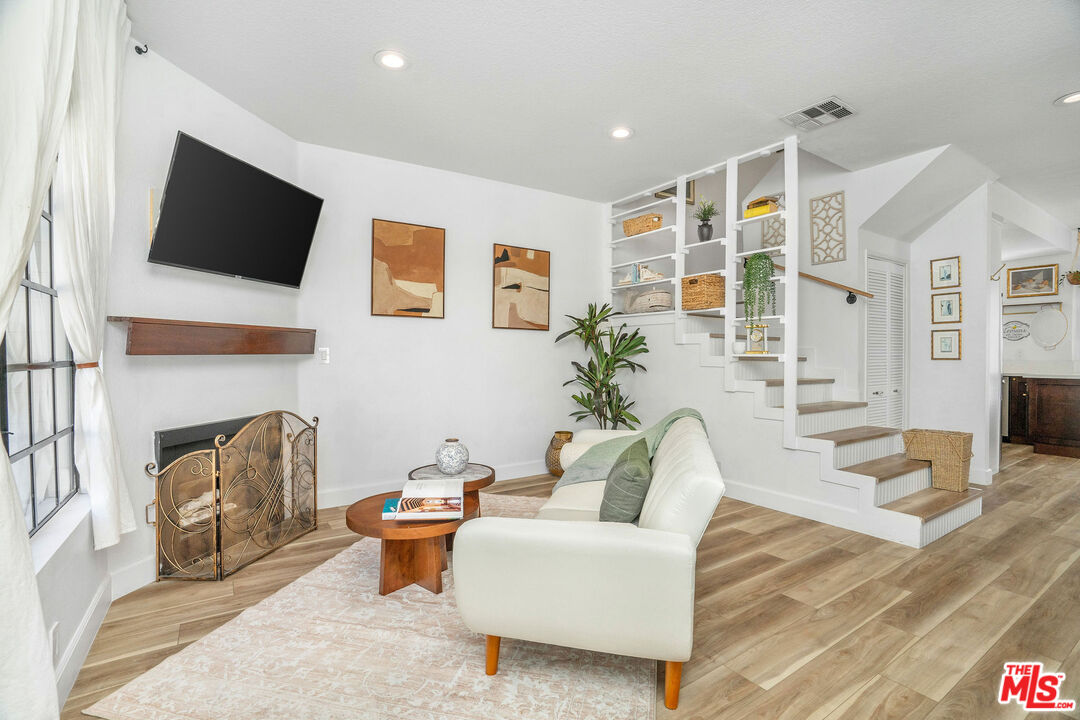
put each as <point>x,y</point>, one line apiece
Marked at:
<point>704,232</point>
<point>452,457</point>
<point>551,457</point>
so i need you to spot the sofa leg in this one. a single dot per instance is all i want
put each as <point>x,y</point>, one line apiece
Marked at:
<point>672,680</point>
<point>493,654</point>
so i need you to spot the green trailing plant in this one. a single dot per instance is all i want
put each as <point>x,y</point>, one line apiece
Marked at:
<point>611,350</point>
<point>759,290</point>
<point>706,210</point>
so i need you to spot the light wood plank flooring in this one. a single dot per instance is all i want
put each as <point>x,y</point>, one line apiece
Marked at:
<point>795,619</point>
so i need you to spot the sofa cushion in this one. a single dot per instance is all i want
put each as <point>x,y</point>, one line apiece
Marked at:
<point>627,484</point>
<point>580,501</point>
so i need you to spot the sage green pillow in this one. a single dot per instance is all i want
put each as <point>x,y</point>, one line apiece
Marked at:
<point>627,484</point>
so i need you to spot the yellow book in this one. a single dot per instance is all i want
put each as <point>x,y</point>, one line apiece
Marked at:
<point>761,210</point>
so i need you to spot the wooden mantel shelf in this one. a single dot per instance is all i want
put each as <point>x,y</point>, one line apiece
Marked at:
<point>159,336</point>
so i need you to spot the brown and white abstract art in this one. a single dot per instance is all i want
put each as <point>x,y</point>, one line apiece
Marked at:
<point>520,292</point>
<point>407,269</point>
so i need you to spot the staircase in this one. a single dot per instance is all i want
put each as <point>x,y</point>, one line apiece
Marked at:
<point>864,482</point>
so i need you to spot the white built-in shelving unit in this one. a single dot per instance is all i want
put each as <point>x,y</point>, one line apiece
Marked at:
<point>668,250</point>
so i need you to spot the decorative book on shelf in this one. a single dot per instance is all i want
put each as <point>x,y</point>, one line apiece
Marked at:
<point>161,336</point>
<point>429,500</point>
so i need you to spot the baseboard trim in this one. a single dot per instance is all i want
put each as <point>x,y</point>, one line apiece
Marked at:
<point>132,577</point>
<point>71,662</point>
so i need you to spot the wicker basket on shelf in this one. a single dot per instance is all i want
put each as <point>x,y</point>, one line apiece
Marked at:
<point>700,292</point>
<point>642,224</point>
<point>949,453</point>
<point>649,301</point>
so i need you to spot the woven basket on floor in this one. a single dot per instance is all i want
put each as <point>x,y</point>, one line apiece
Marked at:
<point>650,301</point>
<point>702,291</point>
<point>949,453</point>
<point>642,224</point>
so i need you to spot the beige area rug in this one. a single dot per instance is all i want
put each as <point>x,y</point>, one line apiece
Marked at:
<point>328,647</point>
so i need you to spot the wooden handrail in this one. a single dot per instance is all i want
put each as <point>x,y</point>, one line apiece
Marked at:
<point>830,283</point>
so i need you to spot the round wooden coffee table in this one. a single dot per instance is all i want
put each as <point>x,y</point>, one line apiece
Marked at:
<point>412,551</point>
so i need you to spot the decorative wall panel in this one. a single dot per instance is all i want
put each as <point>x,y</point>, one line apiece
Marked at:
<point>828,235</point>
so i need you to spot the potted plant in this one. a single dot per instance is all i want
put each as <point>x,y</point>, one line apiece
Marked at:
<point>759,293</point>
<point>1073,276</point>
<point>611,350</point>
<point>705,212</point>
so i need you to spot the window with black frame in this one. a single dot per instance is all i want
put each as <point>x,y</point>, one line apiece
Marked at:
<point>37,402</point>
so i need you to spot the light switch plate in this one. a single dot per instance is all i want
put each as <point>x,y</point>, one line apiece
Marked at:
<point>324,355</point>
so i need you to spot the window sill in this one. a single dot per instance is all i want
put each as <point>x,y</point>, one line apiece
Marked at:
<point>52,536</point>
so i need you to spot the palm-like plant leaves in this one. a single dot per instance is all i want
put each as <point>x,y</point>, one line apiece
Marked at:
<point>601,397</point>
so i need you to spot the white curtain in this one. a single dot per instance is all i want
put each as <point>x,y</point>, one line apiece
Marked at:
<point>85,193</point>
<point>37,53</point>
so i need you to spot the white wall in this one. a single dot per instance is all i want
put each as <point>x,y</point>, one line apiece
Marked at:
<point>396,386</point>
<point>1020,356</point>
<point>151,393</point>
<point>953,394</point>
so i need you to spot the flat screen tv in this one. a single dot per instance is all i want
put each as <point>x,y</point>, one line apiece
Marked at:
<point>222,215</point>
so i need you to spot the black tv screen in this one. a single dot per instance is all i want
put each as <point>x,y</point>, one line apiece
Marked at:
<point>222,215</point>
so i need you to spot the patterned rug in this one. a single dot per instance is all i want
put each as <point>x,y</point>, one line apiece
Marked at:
<point>328,647</point>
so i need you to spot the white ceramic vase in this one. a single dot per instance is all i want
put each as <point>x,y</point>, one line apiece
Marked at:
<point>452,457</point>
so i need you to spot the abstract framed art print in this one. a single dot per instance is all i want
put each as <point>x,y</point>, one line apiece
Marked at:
<point>520,288</point>
<point>408,264</point>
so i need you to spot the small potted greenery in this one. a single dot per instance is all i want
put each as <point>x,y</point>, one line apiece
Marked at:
<point>1073,276</point>
<point>705,212</point>
<point>759,293</point>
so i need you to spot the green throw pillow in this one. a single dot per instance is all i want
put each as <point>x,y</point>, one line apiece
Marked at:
<point>627,485</point>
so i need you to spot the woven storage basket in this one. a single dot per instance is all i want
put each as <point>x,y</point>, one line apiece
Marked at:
<point>949,453</point>
<point>650,301</point>
<point>642,224</point>
<point>702,291</point>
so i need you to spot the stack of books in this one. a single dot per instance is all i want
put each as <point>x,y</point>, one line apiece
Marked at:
<point>762,206</point>
<point>427,500</point>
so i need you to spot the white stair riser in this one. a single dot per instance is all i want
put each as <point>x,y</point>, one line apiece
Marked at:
<point>943,524</point>
<point>822,422</point>
<point>900,486</point>
<point>819,392</point>
<point>760,370</point>
<point>860,452</point>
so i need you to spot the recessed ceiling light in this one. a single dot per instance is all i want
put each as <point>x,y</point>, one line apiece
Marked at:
<point>621,132</point>
<point>391,59</point>
<point>1073,97</point>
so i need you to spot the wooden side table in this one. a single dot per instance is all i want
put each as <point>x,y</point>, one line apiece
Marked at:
<point>475,478</point>
<point>412,551</point>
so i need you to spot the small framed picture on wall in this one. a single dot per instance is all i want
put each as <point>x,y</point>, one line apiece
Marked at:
<point>945,308</point>
<point>945,273</point>
<point>1033,281</point>
<point>944,344</point>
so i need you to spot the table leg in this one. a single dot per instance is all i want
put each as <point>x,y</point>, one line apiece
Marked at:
<point>430,563</point>
<point>404,562</point>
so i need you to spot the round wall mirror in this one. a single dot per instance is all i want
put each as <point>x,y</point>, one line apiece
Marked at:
<point>1049,327</point>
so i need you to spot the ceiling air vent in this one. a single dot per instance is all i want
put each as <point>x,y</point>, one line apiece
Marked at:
<point>819,114</point>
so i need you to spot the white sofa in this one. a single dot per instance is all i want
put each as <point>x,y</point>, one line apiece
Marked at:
<point>565,578</point>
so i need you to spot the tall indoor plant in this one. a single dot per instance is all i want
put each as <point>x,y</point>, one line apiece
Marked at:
<point>759,293</point>
<point>611,351</point>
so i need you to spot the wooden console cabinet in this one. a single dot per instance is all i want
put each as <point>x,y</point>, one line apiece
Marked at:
<point>1045,412</point>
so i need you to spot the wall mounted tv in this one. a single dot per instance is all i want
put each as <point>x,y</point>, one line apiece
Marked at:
<point>222,215</point>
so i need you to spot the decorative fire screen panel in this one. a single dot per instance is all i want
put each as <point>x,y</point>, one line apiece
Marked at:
<point>221,509</point>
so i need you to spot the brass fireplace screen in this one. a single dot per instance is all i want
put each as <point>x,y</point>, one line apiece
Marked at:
<point>220,509</point>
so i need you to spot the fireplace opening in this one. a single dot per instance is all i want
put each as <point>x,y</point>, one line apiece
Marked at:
<point>169,445</point>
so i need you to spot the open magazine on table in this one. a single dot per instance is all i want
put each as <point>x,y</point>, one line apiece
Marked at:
<point>441,499</point>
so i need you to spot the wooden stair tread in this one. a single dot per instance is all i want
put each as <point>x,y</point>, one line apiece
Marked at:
<point>888,467</point>
<point>855,434</point>
<point>829,406</point>
<point>774,382</point>
<point>931,502</point>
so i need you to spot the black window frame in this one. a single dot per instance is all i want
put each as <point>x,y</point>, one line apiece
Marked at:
<point>27,454</point>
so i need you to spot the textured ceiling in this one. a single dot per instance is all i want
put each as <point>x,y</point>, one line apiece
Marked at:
<point>525,91</point>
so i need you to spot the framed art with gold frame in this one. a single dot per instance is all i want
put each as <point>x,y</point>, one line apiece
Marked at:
<point>945,273</point>
<point>1032,281</point>
<point>946,308</point>
<point>945,344</point>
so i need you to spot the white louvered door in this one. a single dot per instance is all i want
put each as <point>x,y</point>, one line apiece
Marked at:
<point>885,342</point>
